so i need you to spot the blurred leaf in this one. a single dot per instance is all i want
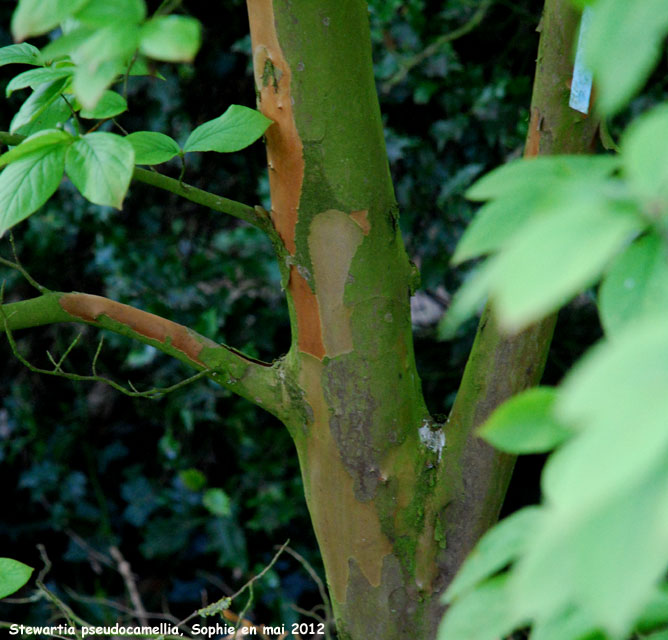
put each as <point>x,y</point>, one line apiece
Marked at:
<point>100,165</point>
<point>217,502</point>
<point>99,13</point>
<point>89,85</point>
<point>571,624</point>
<point>23,53</point>
<point>27,183</point>
<point>13,575</point>
<point>623,46</point>
<point>35,17</point>
<point>644,156</point>
<point>500,546</point>
<point>525,423</point>
<point>193,479</point>
<point>482,614</point>
<point>655,613</point>
<point>110,105</point>
<point>171,38</point>
<point>237,128</point>
<point>115,42</point>
<point>635,286</point>
<point>152,147</point>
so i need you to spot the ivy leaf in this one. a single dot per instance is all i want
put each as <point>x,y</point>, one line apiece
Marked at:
<point>623,46</point>
<point>35,17</point>
<point>13,575</point>
<point>635,286</point>
<point>37,103</point>
<point>100,165</point>
<point>109,105</point>
<point>217,502</point>
<point>152,147</point>
<point>171,38</point>
<point>41,139</point>
<point>500,546</point>
<point>237,128</point>
<point>27,183</point>
<point>525,423</point>
<point>36,77</point>
<point>23,53</point>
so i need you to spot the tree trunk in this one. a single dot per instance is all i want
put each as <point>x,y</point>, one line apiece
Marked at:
<point>396,500</point>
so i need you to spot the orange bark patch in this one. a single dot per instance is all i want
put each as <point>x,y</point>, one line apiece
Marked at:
<point>362,219</point>
<point>284,146</point>
<point>333,241</point>
<point>345,527</point>
<point>89,308</point>
<point>309,332</point>
<point>532,147</point>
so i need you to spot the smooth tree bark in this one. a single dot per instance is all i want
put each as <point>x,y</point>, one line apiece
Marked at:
<point>397,499</point>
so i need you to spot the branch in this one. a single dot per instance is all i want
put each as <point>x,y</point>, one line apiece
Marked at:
<point>255,216</point>
<point>259,382</point>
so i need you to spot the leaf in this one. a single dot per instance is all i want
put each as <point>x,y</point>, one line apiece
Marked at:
<point>217,502</point>
<point>655,613</point>
<point>237,128</point>
<point>41,139</point>
<point>538,174</point>
<point>27,183</point>
<point>100,165</point>
<point>35,17</point>
<point>13,575</point>
<point>55,114</point>
<point>115,42</point>
<point>558,254</point>
<point>623,46</point>
<point>36,77</point>
<point>500,546</point>
<point>571,624</point>
<point>109,105</point>
<point>152,147</point>
<point>171,38</point>
<point>89,86</point>
<point>482,614</point>
<point>66,44</point>
<point>37,103</point>
<point>635,286</point>
<point>23,53</point>
<point>526,423</point>
<point>99,13</point>
<point>192,479</point>
<point>643,154</point>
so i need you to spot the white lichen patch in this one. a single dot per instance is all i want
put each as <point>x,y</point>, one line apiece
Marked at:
<point>433,439</point>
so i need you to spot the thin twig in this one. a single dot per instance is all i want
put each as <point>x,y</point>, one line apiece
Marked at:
<point>125,570</point>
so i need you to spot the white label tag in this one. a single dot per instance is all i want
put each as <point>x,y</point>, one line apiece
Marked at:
<point>582,77</point>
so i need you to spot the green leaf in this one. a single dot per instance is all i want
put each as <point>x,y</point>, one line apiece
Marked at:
<point>36,77</point>
<point>237,128</point>
<point>525,423</point>
<point>482,614</point>
<point>500,546</point>
<point>152,147</point>
<point>623,46</point>
<point>54,115</point>
<point>558,254</point>
<point>37,103</point>
<point>35,17</point>
<point>41,139</point>
<point>571,624</point>
<point>193,479</point>
<point>644,156</point>
<point>115,42</point>
<point>655,613</point>
<point>27,183</point>
<point>89,86</point>
<point>100,165</point>
<point>23,53</point>
<point>636,285</point>
<point>217,502</point>
<point>109,105</point>
<point>13,575</point>
<point>66,44</point>
<point>171,38</point>
<point>539,174</point>
<point>99,13</point>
